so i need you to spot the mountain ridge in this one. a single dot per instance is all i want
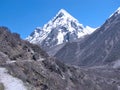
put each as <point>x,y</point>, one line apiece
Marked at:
<point>99,48</point>
<point>62,28</point>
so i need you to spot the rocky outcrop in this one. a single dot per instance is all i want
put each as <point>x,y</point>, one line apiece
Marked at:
<point>17,49</point>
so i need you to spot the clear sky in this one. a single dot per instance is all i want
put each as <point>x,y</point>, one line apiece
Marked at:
<point>23,16</point>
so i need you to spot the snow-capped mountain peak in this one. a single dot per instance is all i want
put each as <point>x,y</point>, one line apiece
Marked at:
<point>62,28</point>
<point>62,18</point>
<point>64,13</point>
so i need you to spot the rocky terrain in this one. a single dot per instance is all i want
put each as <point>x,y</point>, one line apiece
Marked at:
<point>27,67</point>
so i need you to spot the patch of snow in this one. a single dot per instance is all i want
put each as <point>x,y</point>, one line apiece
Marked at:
<point>117,11</point>
<point>10,82</point>
<point>116,64</point>
<point>66,14</point>
<point>81,34</point>
<point>60,38</point>
<point>89,30</point>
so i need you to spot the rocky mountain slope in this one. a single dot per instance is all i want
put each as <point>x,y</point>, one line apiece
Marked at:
<point>62,28</point>
<point>17,49</point>
<point>100,48</point>
<point>25,66</point>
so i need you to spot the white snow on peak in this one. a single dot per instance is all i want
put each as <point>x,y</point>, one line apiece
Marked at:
<point>62,28</point>
<point>116,12</point>
<point>89,30</point>
<point>61,18</point>
<point>10,82</point>
<point>65,13</point>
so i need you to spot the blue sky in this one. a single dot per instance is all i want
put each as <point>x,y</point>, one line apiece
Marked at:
<point>23,16</point>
